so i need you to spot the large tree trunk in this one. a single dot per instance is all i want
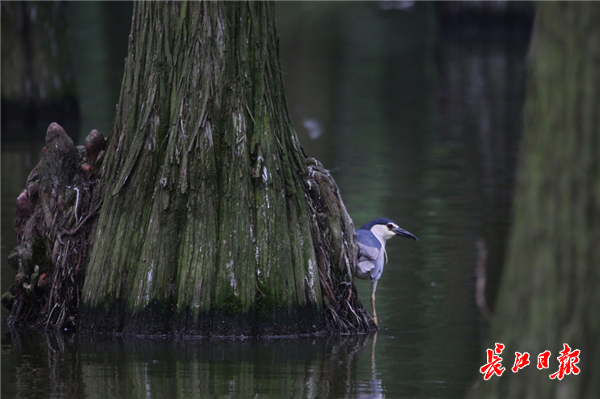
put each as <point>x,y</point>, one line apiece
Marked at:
<point>214,220</point>
<point>549,293</point>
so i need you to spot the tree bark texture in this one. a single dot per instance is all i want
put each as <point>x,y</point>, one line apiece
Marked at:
<point>214,221</point>
<point>549,293</point>
<point>55,219</point>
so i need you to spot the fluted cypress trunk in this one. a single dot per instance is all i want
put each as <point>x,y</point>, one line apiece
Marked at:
<point>214,221</point>
<point>549,293</point>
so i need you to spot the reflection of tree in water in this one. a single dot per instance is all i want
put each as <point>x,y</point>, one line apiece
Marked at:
<point>40,365</point>
<point>125,367</point>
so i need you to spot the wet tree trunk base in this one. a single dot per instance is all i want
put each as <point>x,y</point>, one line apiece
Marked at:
<point>344,313</point>
<point>164,320</point>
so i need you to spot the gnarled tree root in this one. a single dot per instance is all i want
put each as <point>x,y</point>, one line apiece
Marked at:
<point>335,244</point>
<point>55,222</point>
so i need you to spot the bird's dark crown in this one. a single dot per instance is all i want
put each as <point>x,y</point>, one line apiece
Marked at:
<point>373,222</point>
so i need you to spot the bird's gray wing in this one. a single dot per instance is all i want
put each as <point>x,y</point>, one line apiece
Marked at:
<point>369,247</point>
<point>369,250</point>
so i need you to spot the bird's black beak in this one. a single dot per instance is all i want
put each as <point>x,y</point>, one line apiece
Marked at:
<point>404,233</point>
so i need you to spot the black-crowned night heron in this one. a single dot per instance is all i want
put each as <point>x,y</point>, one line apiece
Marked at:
<point>371,251</point>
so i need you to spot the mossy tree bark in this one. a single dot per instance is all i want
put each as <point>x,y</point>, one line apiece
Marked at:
<point>549,293</point>
<point>214,221</point>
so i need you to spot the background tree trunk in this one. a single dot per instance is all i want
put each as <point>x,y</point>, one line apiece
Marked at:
<point>549,292</point>
<point>213,219</point>
<point>37,77</point>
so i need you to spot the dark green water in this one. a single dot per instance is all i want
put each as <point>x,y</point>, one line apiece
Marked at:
<point>422,126</point>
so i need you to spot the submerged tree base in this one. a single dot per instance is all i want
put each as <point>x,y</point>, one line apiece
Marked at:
<point>163,319</point>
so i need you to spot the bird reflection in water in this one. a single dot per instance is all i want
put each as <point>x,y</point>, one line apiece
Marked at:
<point>373,388</point>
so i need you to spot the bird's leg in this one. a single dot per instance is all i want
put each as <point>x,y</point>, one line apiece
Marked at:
<point>373,288</point>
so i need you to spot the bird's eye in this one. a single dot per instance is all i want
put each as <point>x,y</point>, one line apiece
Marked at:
<point>390,226</point>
